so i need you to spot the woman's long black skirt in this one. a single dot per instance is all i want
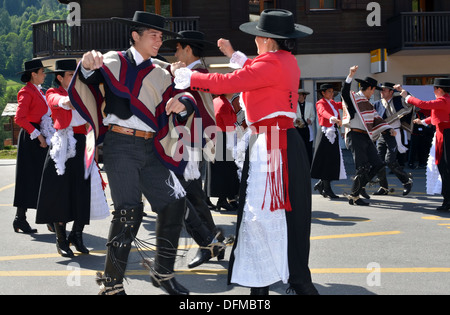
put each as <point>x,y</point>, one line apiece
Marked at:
<point>326,163</point>
<point>30,162</point>
<point>67,197</point>
<point>299,219</point>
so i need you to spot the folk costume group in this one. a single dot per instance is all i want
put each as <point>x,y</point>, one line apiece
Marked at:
<point>143,110</point>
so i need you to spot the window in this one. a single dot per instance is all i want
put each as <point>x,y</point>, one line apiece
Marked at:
<point>322,4</point>
<point>421,80</point>
<point>257,6</point>
<point>161,7</point>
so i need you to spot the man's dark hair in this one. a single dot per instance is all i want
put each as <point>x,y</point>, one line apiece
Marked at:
<point>197,51</point>
<point>138,29</point>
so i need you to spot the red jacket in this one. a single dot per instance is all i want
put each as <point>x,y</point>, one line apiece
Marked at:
<point>31,107</point>
<point>325,112</point>
<point>440,108</point>
<point>61,117</point>
<point>440,117</point>
<point>269,84</point>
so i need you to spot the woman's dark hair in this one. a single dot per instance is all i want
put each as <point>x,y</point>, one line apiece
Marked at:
<point>26,76</point>
<point>56,81</point>
<point>286,44</point>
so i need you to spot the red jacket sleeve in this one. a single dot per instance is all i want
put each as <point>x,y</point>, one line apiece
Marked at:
<point>258,74</point>
<point>439,103</point>
<point>24,100</point>
<point>61,117</point>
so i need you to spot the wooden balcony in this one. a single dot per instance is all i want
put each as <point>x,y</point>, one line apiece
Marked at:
<point>56,39</point>
<point>415,31</point>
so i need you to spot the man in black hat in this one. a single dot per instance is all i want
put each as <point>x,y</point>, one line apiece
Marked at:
<point>391,108</point>
<point>440,117</point>
<point>363,126</point>
<point>141,154</point>
<point>190,48</point>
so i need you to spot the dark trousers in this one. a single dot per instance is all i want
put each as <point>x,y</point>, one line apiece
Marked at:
<point>387,151</point>
<point>134,170</point>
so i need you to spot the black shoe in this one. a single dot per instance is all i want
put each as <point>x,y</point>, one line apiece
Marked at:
<point>407,187</point>
<point>302,289</point>
<point>259,291</point>
<point>76,238</point>
<point>443,207</point>
<point>170,284</point>
<point>381,191</point>
<point>319,187</point>
<point>109,286</point>
<point>223,203</point>
<point>211,206</point>
<point>22,225</point>
<point>364,193</point>
<point>204,254</point>
<point>358,202</point>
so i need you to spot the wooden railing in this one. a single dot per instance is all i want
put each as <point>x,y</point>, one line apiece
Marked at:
<point>411,30</point>
<point>55,38</point>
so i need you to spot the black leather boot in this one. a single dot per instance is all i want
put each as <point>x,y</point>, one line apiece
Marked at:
<point>76,239</point>
<point>123,230</point>
<point>62,244</point>
<point>168,228</point>
<point>327,189</point>
<point>319,187</point>
<point>20,222</point>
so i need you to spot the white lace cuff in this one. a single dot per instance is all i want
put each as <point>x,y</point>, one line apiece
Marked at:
<point>35,134</point>
<point>182,78</point>
<point>238,58</point>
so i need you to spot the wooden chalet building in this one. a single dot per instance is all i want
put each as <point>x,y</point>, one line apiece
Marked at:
<point>415,34</point>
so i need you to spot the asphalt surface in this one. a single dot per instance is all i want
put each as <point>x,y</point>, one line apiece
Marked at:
<point>396,246</point>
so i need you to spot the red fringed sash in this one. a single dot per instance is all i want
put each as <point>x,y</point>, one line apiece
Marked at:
<point>277,181</point>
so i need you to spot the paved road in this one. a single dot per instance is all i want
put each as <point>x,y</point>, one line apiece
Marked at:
<point>397,245</point>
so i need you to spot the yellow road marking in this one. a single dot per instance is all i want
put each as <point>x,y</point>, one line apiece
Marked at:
<point>322,237</point>
<point>435,217</point>
<point>65,273</point>
<point>7,186</point>
<point>103,252</point>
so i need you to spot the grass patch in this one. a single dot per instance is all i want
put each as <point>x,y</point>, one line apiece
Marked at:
<point>8,154</point>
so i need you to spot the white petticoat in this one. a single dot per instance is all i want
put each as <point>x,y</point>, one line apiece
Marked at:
<point>434,181</point>
<point>261,252</point>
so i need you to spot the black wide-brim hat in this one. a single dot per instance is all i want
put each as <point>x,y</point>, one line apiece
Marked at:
<point>388,85</point>
<point>147,19</point>
<point>441,82</point>
<point>32,65</point>
<point>324,87</point>
<point>63,65</point>
<point>194,38</point>
<point>276,23</point>
<point>368,81</point>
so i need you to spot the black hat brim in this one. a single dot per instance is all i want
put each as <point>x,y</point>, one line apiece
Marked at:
<point>299,32</point>
<point>33,69</point>
<point>203,44</point>
<point>364,82</point>
<point>135,23</point>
